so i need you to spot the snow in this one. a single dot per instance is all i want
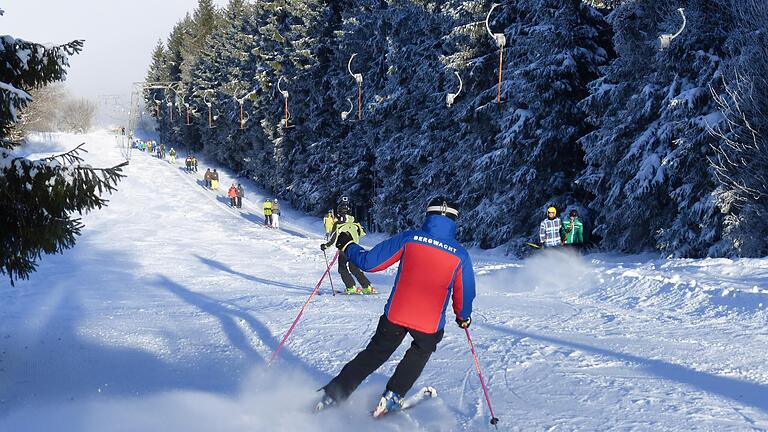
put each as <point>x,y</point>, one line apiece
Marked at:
<point>165,313</point>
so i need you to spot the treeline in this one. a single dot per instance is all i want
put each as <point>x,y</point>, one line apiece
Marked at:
<point>657,149</point>
<point>54,109</point>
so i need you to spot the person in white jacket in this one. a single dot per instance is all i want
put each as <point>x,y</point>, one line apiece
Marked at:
<point>275,214</point>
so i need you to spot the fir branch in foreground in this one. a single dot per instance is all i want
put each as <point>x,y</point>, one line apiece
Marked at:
<point>37,200</point>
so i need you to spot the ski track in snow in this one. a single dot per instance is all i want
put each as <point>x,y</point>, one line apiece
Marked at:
<point>164,316</point>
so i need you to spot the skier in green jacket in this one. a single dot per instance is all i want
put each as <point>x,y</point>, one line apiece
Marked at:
<point>346,223</point>
<point>572,230</point>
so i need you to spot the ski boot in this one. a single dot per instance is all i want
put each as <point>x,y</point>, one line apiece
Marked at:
<point>324,403</point>
<point>368,290</point>
<point>390,401</point>
<point>352,290</point>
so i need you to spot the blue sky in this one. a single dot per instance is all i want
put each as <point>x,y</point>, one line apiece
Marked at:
<point>119,36</point>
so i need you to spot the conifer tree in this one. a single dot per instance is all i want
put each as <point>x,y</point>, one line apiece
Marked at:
<point>647,161</point>
<point>741,156</point>
<point>38,198</point>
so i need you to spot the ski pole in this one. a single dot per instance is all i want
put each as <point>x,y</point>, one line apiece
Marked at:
<point>288,333</point>
<point>494,419</point>
<point>329,274</point>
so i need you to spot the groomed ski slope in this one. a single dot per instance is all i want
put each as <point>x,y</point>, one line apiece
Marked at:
<point>163,316</point>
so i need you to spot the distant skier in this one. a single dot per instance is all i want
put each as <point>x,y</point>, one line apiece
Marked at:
<point>240,195</point>
<point>172,155</point>
<point>267,207</point>
<point>328,222</point>
<point>208,176</point>
<point>215,180</point>
<point>162,152</point>
<point>549,230</point>
<point>433,267</point>
<point>194,163</point>
<point>346,224</point>
<point>573,230</point>
<point>188,163</point>
<point>232,194</point>
<point>275,214</point>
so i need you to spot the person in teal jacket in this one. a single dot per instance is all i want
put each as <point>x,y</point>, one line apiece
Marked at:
<point>572,230</point>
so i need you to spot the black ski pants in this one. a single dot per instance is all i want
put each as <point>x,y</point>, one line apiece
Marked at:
<point>384,342</point>
<point>347,269</point>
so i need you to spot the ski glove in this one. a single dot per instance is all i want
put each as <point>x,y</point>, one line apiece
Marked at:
<point>464,323</point>
<point>323,247</point>
<point>343,240</point>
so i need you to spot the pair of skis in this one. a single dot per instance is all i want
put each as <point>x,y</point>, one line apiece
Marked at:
<point>420,396</point>
<point>415,399</point>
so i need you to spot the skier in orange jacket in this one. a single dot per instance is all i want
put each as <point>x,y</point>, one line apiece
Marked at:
<point>232,194</point>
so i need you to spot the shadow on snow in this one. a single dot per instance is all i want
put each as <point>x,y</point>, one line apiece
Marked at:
<point>748,393</point>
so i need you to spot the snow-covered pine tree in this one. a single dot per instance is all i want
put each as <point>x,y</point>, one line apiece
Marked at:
<point>317,133</point>
<point>226,74</point>
<point>555,50</point>
<point>174,62</point>
<point>204,22</point>
<point>647,160</point>
<point>415,144</point>
<point>344,149</point>
<point>174,129</point>
<point>38,197</point>
<point>292,30</point>
<point>158,71</point>
<point>741,159</point>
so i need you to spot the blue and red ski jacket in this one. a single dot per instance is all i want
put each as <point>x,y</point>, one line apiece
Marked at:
<point>433,268</point>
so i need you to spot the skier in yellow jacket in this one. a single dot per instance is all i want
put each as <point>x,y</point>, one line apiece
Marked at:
<point>346,223</point>
<point>267,212</point>
<point>328,222</point>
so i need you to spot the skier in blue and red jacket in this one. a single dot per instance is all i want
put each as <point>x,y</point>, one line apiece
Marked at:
<point>433,267</point>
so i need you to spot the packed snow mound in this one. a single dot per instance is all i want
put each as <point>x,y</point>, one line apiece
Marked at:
<point>706,287</point>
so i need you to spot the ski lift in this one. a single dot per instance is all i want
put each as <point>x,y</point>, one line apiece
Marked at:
<point>186,106</point>
<point>157,106</point>
<point>243,116</point>
<point>189,120</point>
<point>501,42</point>
<point>211,117</point>
<point>169,100</point>
<point>450,97</point>
<point>359,80</point>
<point>285,98</point>
<point>666,39</point>
<point>345,114</point>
